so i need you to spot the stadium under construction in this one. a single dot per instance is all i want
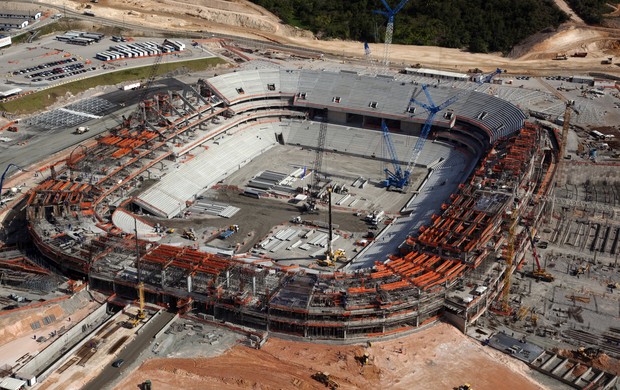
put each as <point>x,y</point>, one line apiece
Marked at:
<point>88,217</point>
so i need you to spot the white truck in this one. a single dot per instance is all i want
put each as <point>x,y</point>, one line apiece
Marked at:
<point>81,130</point>
<point>131,86</point>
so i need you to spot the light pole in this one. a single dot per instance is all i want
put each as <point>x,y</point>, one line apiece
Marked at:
<point>4,174</point>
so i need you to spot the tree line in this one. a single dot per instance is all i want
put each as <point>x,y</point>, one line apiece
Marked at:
<point>475,25</point>
<point>591,11</point>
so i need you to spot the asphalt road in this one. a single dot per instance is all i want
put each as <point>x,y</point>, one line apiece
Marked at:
<point>45,143</point>
<point>130,353</point>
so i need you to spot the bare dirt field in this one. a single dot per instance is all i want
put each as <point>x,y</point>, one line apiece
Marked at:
<point>242,18</point>
<point>421,360</point>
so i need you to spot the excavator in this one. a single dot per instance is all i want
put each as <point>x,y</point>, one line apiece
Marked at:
<point>331,258</point>
<point>324,378</point>
<point>538,273</point>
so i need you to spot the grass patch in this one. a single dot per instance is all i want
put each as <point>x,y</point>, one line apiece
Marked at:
<point>39,100</point>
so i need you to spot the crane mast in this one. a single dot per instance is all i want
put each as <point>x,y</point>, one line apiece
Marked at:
<point>389,30</point>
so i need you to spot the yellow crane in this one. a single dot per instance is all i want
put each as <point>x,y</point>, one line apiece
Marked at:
<point>509,256</point>
<point>141,314</point>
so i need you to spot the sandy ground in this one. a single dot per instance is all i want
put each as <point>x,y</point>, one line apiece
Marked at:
<point>17,335</point>
<point>243,18</point>
<point>418,361</point>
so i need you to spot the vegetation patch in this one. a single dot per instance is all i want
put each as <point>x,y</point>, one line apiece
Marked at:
<point>591,11</point>
<point>476,25</point>
<point>39,100</point>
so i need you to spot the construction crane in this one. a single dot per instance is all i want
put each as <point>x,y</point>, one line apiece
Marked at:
<point>397,177</point>
<point>329,259</point>
<point>141,314</point>
<point>389,13</point>
<point>509,256</point>
<point>400,178</point>
<point>538,273</point>
<point>147,85</point>
<point>570,106</point>
<point>367,53</point>
<point>4,174</point>
<point>318,162</point>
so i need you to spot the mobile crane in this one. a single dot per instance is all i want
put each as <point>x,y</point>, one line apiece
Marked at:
<point>331,257</point>
<point>538,273</point>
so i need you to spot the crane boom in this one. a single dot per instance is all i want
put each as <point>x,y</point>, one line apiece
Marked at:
<point>531,240</point>
<point>400,178</point>
<point>428,124</point>
<point>394,178</point>
<point>565,128</point>
<point>389,13</point>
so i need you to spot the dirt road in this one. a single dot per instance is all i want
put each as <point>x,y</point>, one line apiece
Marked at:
<point>243,18</point>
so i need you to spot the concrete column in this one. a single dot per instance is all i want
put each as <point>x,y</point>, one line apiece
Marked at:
<point>189,283</point>
<point>227,279</point>
<point>253,285</point>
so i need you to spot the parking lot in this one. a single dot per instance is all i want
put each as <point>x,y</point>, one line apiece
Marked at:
<point>48,62</point>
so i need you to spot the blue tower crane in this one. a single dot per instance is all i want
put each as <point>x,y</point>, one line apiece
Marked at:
<point>399,179</point>
<point>389,13</point>
<point>395,178</point>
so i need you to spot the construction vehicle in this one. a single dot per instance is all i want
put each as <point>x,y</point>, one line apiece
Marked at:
<point>608,61</point>
<point>12,129</point>
<point>538,273</point>
<point>331,258</point>
<point>364,359</point>
<point>189,234</point>
<point>581,270</point>
<point>465,386</point>
<point>324,378</point>
<point>81,130</point>
<point>232,229</point>
<point>561,56</point>
<point>588,354</point>
<point>141,314</point>
<point>146,385</point>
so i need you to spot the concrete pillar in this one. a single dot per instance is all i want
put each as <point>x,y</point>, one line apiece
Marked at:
<point>189,283</point>
<point>253,285</point>
<point>227,279</point>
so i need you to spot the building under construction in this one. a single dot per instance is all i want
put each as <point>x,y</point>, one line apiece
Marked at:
<point>83,217</point>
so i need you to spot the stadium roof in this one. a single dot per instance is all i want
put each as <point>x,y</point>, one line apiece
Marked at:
<point>441,73</point>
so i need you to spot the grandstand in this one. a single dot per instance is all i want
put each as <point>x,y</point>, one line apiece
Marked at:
<point>362,101</point>
<point>228,121</point>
